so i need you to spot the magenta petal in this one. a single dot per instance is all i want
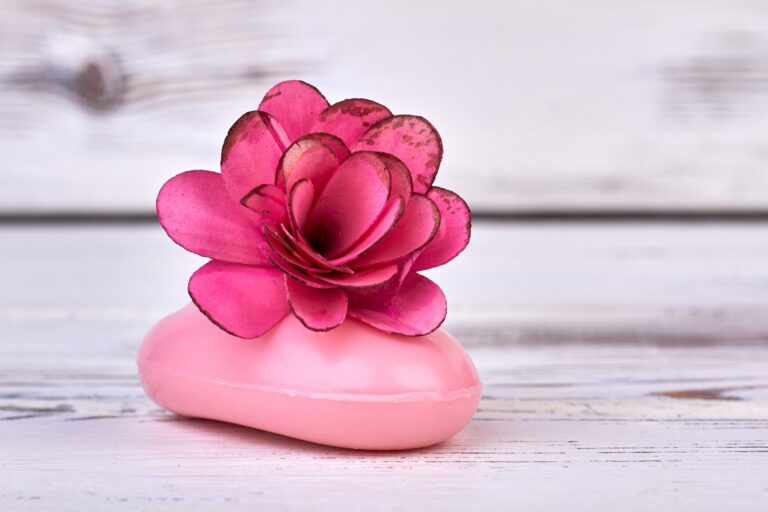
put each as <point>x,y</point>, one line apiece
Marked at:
<point>308,159</point>
<point>418,308</point>
<point>251,151</point>
<point>349,119</point>
<point>300,202</point>
<point>351,202</point>
<point>296,105</point>
<point>383,225</point>
<point>334,143</point>
<point>416,227</point>
<point>400,176</point>
<point>363,279</point>
<point>413,140</point>
<point>317,309</point>
<point>266,200</point>
<point>196,211</point>
<point>454,232</point>
<point>243,300</point>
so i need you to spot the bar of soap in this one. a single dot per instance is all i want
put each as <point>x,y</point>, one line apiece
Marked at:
<point>351,387</point>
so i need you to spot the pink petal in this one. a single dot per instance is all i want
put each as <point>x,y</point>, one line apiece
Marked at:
<point>308,159</point>
<point>415,229</point>
<point>413,140</point>
<point>400,176</point>
<point>349,119</point>
<point>334,143</point>
<point>300,201</point>
<point>383,225</point>
<point>362,279</point>
<point>196,211</point>
<point>251,151</point>
<point>418,309</point>
<point>454,232</point>
<point>268,201</point>
<point>296,105</point>
<point>319,310</point>
<point>366,298</point>
<point>243,300</point>
<point>351,202</point>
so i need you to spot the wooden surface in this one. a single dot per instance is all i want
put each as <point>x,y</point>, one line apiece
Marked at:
<point>547,105</point>
<point>625,368</point>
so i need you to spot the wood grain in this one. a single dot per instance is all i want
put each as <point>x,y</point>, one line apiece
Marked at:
<point>575,426</point>
<point>625,368</point>
<point>549,106</point>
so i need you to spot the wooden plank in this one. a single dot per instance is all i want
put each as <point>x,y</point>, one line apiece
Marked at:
<point>625,367</point>
<point>553,106</point>
<point>634,283</point>
<point>583,427</point>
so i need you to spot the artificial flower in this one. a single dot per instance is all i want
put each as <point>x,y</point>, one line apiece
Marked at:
<point>325,211</point>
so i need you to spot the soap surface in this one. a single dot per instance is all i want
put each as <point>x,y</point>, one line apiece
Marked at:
<point>351,387</point>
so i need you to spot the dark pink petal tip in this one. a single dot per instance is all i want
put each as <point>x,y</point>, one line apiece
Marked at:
<point>413,140</point>
<point>250,154</point>
<point>242,300</point>
<point>349,119</point>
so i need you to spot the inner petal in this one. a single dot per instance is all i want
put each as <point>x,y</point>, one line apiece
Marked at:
<point>351,202</point>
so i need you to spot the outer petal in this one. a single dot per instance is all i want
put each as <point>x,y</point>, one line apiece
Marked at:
<point>243,300</point>
<point>454,232</point>
<point>419,308</point>
<point>251,152</point>
<point>349,205</point>
<point>413,140</point>
<point>317,309</point>
<point>349,119</point>
<point>196,211</point>
<point>296,105</point>
<point>415,229</point>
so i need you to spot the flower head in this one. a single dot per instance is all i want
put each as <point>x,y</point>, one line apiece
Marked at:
<point>322,210</point>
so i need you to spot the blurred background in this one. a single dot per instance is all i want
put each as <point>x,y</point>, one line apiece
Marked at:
<point>613,153</point>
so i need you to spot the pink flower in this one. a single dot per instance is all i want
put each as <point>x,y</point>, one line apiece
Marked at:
<point>326,211</point>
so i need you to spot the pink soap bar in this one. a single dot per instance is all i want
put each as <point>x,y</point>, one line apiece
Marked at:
<point>352,387</point>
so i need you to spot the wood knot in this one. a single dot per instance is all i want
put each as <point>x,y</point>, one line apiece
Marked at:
<point>98,84</point>
<point>81,68</point>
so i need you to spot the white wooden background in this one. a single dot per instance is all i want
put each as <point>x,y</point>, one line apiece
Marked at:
<point>546,105</point>
<point>625,363</point>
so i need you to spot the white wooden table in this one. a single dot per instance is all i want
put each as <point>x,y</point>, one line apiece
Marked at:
<point>625,368</point>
